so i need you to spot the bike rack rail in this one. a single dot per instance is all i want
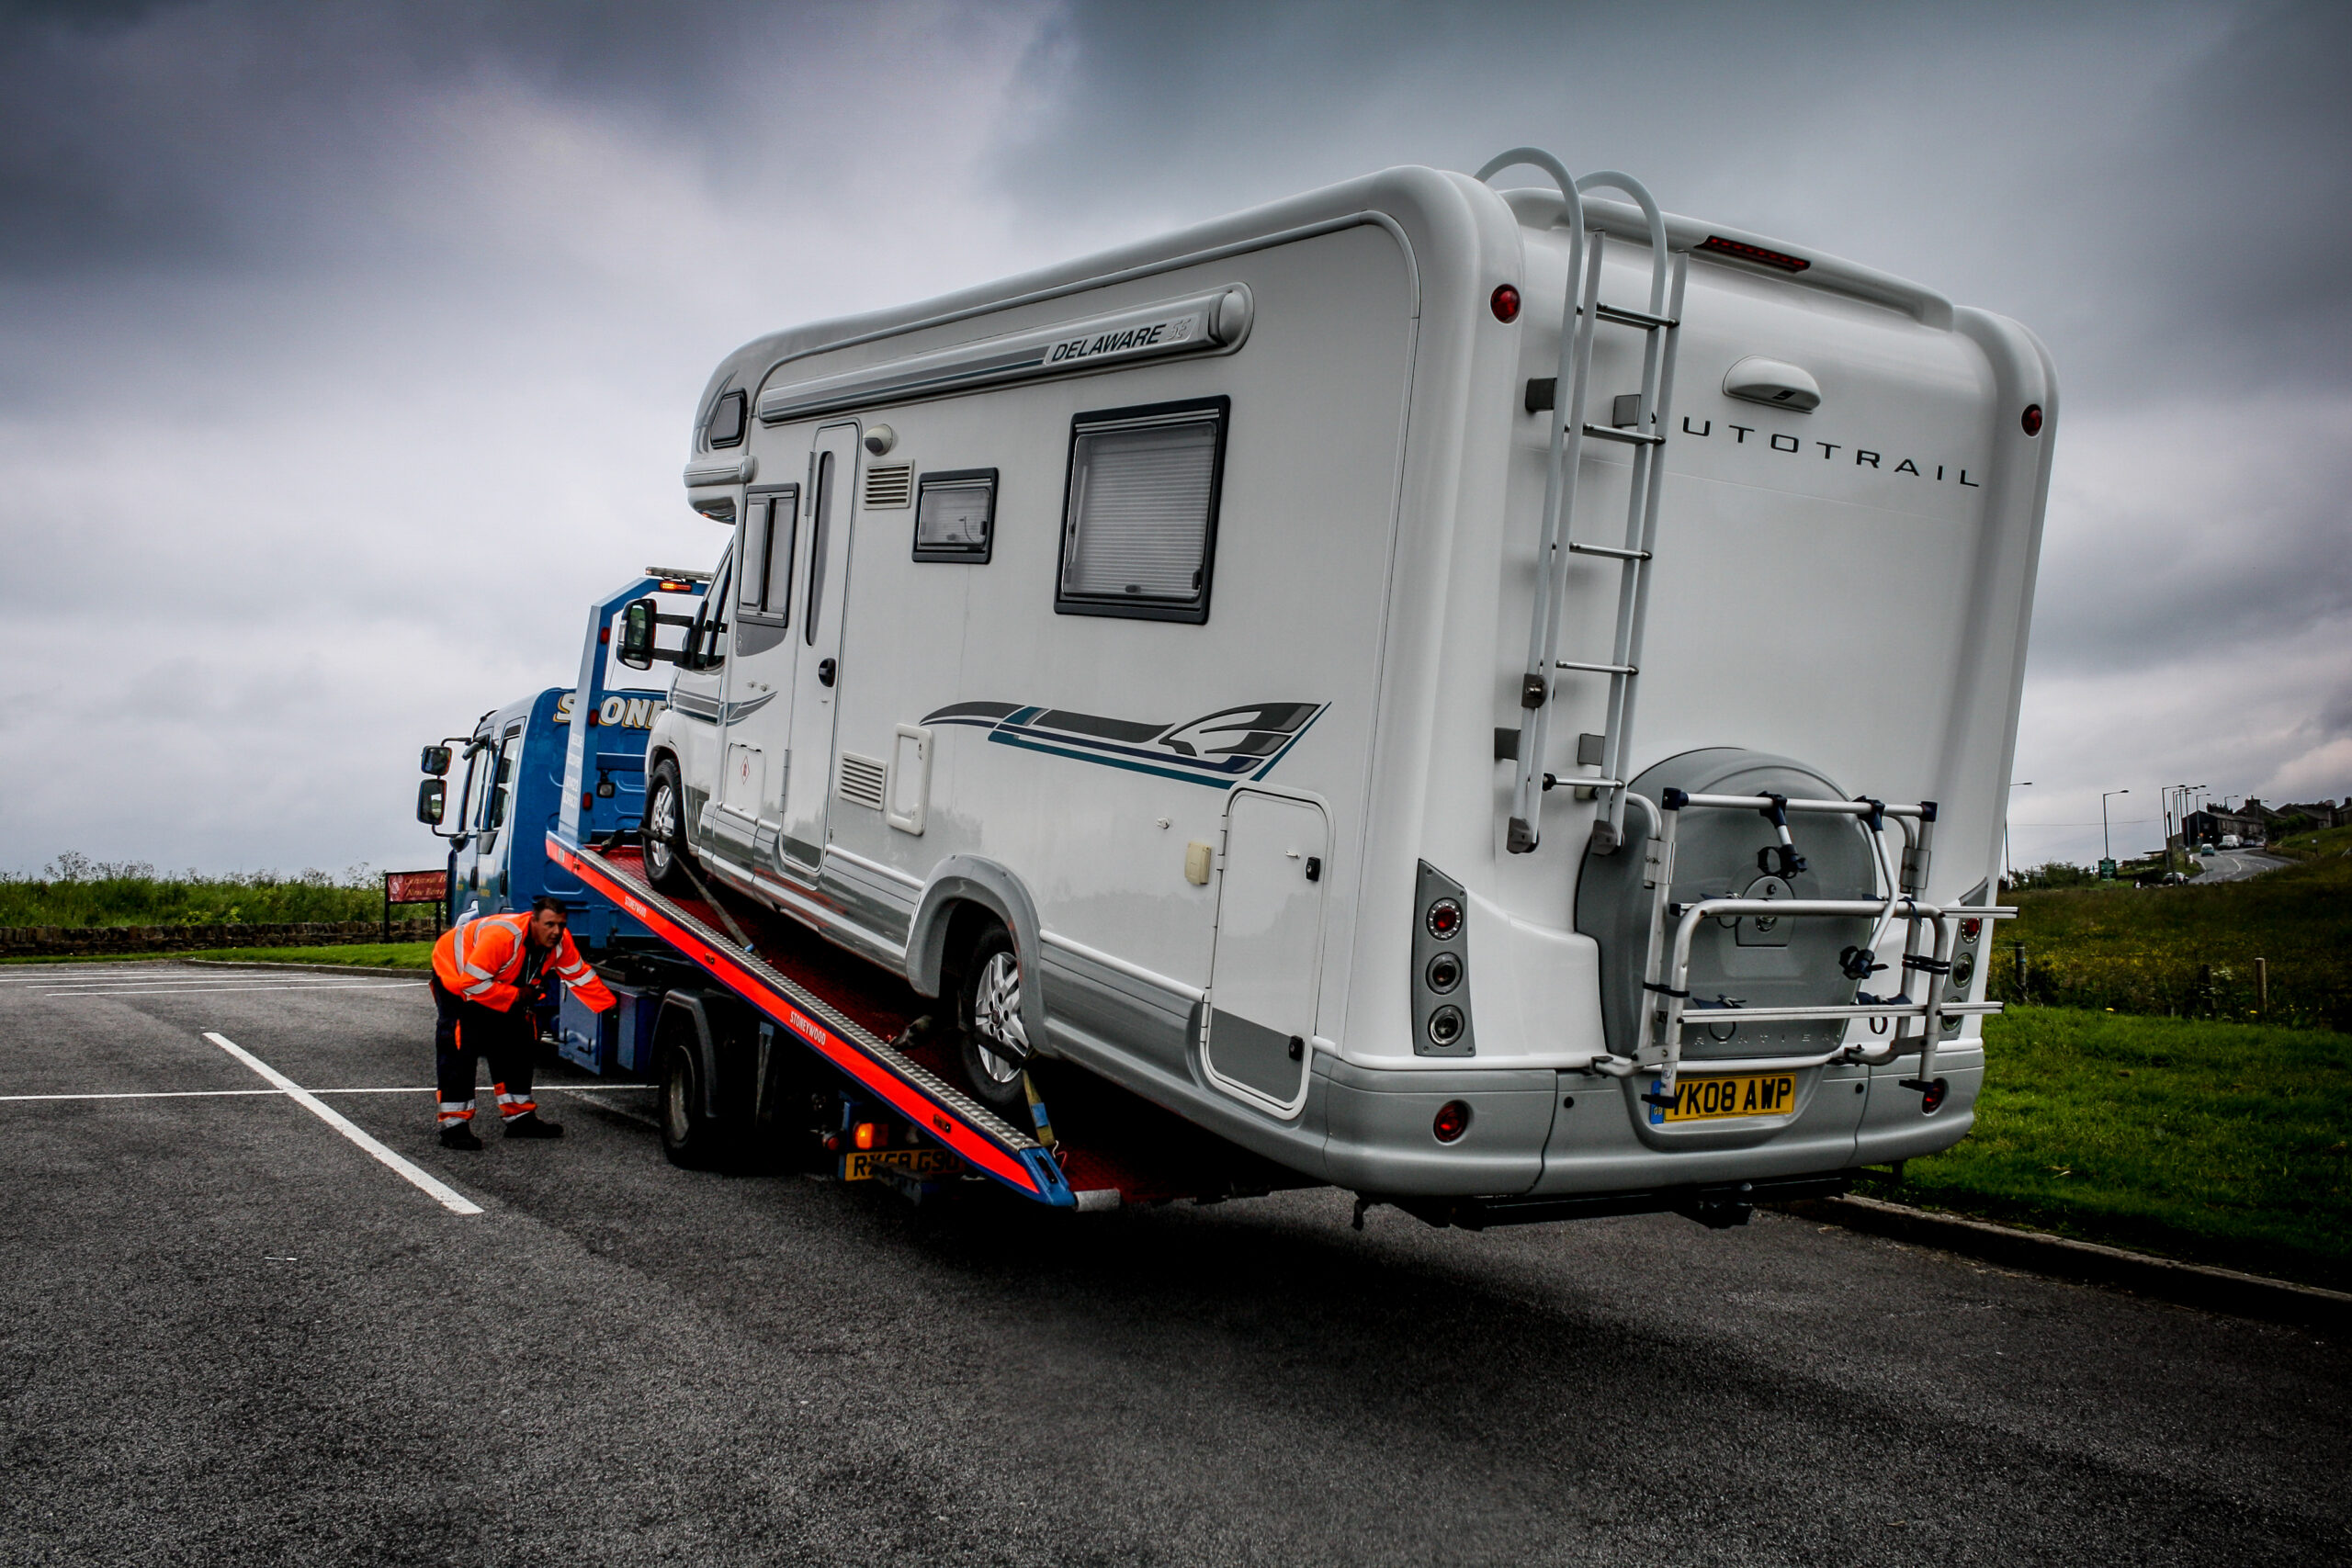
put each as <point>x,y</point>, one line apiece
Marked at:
<point>1932,933</point>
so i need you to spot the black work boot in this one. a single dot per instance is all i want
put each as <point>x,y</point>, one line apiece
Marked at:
<point>529,1125</point>
<point>458,1135</point>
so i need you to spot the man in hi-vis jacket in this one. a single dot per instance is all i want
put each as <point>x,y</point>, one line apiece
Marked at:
<point>488,970</point>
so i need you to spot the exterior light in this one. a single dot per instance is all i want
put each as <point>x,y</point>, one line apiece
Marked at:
<point>2032,420</point>
<point>1453,1120</point>
<point>1505,301</point>
<point>1445,919</point>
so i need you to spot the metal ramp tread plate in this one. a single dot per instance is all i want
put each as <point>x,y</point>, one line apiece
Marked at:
<point>961,1125</point>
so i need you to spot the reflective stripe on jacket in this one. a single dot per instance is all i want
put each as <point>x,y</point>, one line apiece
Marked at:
<point>479,958</point>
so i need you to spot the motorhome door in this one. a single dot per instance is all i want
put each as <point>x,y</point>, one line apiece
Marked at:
<point>755,710</point>
<point>1263,972</point>
<point>816,681</point>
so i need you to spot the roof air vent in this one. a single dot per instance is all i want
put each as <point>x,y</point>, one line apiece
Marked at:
<point>889,484</point>
<point>1773,381</point>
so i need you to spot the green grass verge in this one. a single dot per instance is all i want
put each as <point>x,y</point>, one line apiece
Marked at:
<point>371,954</point>
<point>78,891</point>
<point>2209,1142</point>
<point>2190,951</point>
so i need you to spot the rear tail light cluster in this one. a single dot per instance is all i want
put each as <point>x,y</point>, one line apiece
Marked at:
<point>1441,967</point>
<point>1451,1120</point>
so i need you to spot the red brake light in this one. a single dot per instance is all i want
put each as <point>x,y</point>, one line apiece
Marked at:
<point>1932,1099</point>
<point>1971,929</point>
<point>2032,420</point>
<point>1453,1120</point>
<point>1505,301</point>
<point>1780,259</point>
<point>1445,919</point>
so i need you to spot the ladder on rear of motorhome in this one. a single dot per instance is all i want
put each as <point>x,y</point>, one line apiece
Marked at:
<point>1581,312</point>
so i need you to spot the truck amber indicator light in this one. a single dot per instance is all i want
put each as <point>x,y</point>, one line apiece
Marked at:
<point>1745,252</point>
<point>1505,301</point>
<point>2032,420</point>
<point>1453,1120</point>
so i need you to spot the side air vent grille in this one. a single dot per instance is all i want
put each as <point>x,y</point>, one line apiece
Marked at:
<point>863,781</point>
<point>889,484</point>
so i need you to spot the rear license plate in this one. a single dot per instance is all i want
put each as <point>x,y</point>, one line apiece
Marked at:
<point>861,1165</point>
<point>1714,1098</point>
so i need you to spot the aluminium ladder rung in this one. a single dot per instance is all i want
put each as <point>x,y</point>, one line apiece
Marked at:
<point>1629,437</point>
<point>1599,669</point>
<point>1610,550</point>
<point>1641,319</point>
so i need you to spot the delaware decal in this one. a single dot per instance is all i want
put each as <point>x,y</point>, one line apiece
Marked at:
<point>1220,750</point>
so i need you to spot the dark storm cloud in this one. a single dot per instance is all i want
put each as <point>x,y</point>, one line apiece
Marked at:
<point>2139,181</point>
<point>346,350</point>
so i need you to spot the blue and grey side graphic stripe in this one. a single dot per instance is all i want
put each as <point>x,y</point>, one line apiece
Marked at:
<point>1219,750</point>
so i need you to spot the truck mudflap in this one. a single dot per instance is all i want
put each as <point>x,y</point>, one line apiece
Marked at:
<point>975,1135</point>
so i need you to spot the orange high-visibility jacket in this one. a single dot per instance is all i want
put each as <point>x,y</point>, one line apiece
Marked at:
<point>481,957</point>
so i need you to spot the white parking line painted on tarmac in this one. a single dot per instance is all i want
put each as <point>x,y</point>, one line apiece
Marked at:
<point>206,1093</point>
<point>55,974</point>
<point>292,986</point>
<point>438,1190</point>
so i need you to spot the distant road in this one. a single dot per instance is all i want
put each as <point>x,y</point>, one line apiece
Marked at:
<point>2236,865</point>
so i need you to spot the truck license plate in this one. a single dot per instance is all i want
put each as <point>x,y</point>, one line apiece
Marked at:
<point>1740,1094</point>
<point>861,1165</point>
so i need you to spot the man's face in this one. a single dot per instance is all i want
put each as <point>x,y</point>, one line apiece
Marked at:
<point>546,928</point>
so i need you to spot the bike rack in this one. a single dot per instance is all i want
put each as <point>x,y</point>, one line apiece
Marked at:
<point>1932,933</point>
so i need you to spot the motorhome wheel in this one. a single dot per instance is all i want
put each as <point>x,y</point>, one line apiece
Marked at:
<point>994,1042</point>
<point>665,831</point>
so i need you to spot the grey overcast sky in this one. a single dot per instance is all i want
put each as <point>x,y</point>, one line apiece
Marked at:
<point>347,351</point>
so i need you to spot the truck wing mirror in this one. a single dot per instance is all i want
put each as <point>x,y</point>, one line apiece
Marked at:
<point>432,802</point>
<point>436,760</point>
<point>637,633</point>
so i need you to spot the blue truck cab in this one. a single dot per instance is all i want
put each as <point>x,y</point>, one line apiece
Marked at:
<point>508,789</point>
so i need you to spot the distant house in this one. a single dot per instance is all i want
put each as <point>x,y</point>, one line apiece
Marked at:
<point>2256,823</point>
<point>2322,813</point>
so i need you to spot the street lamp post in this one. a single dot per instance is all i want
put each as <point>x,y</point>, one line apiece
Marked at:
<point>2106,839</point>
<point>2008,871</point>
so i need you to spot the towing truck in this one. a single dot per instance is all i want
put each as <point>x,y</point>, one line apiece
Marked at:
<point>1391,484</point>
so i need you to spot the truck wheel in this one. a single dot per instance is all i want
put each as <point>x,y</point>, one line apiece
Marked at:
<point>665,831</point>
<point>988,1008</point>
<point>689,1138</point>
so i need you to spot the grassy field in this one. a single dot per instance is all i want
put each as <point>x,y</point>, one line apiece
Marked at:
<point>76,891</point>
<point>371,954</point>
<point>2189,950</point>
<point>2208,1141</point>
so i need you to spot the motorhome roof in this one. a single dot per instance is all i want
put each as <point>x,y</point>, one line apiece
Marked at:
<point>750,364</point>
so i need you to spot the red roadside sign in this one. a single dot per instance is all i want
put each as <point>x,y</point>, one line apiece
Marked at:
<point>416,887</point>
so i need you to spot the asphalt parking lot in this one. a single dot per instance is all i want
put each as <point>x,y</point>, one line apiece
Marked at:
<point>231,1333</point>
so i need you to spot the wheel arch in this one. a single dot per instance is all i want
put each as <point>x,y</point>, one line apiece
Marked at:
<point>962,889</point>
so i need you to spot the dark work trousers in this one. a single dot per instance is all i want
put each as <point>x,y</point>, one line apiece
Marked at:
<point>465,1032</point>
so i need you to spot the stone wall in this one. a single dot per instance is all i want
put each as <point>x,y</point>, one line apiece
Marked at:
<point>65,941</point>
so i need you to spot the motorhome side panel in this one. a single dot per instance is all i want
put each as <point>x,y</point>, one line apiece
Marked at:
<point>1088,752</point>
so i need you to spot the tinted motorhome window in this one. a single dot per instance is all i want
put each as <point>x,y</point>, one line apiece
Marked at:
<point>955,516</point>
<point>727,421</point>
<point>767,546</point>
<point>1139,527</point>
<point>824,515</point>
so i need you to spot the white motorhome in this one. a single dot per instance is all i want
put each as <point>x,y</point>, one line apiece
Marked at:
<point>1459,691</point>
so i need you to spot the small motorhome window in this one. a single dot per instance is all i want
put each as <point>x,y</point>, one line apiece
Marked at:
<point>824,515</point>
<point>955,516</point>
<point>727,421</point>
<point>767,547</point>
<point>1139,523</point>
